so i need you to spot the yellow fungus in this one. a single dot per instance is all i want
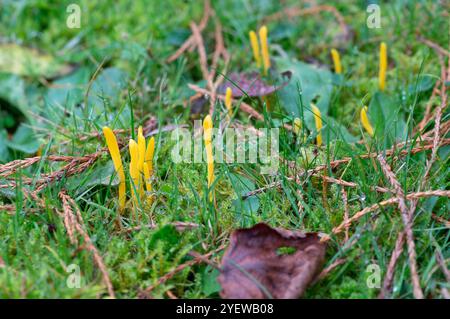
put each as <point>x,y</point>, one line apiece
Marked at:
<point>365,121</point>
<point>255,48</point>
<point>297,126</point>
<point>148,164</point>
<point>147,176</point>
<point>228,96</point>
<point>318,121</point>
<point>264,48</point>
<point>149,154</point>
<point>383,66</point>
<point>113,148</point>
<point>141,150</point>
<point>207,136</point>
<point>336,61</point>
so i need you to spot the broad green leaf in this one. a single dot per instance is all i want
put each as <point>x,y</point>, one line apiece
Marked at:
<point>209,281</point>
<point>4,153</point>
<point>101,175</point>
<point>25,61</point>
<point>107,90</point>
<point>12,90</point>
<point>243,185</point>
<point>334,131</point>
<point>24,140</point>
<point>108,85</point>
<point>69,90</point>
<point>424,83</point>
<point>313,83</point>
<point>386,118</point>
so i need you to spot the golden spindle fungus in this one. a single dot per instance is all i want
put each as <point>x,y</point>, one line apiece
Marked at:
<point>141,150</point>
<point>365,121</point>
<point>383,66</point>
<point>264,48</point>
<point>147,176</point>
<point>228,96</point>
<point>336,61</point>
<point>134,167</point>
<point>148,164</point>
<point>113,148</point>
<point>297,126</point>
<point>255,48</point>
<point>318,121</point>
<point>207,136</point>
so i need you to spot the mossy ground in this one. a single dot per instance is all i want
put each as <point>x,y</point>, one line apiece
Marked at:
<point>137,38</point>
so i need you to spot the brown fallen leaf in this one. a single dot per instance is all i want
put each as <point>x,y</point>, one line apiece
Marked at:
<point>251,84</point>
<point>263,262</point>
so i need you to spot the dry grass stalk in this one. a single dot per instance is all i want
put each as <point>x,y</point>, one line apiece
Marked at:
<point>407,221</point>
<point>441,220</point>
<point>179,226</point>
<point>391,201</point>
<point>439,50</point>
<point>199,259</point>
<point>437,134</point>
<point>436,140</point>
<point>190,42</point>
<point>441,262</point>
<point>329,269</point>
<point>73,221</point>
<point>75,165</point>
<point>12,167</point>
<point>346,211</point>
<point>334,164</point>
<point>201,51</point>
<point>243,106</point>
<point>389,277</point>
<point>427,116</point>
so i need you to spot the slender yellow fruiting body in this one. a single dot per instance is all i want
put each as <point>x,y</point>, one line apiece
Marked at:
<point>297,126</point>
<point>336,61</point>
<point>318,121</point>
<point>207,136</point>
<point>255,48</point>
<point>141,149</point>
<point>365,121</point>
<point>39,151</point>
<point>264,48</point>
<point>113,148</point>
<point>149,154</point>
<point>148,164</point>
<point>383,66</point>
<point>147,176</point>
<point>134,167</point>
<point>228,96</point>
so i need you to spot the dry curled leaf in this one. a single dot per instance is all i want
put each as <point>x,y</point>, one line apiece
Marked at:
<point>251,84</point>
<point>263,262</point>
